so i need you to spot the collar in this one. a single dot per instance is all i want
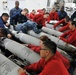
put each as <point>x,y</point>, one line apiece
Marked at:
<point>73,30</point>
<point>51,58</point>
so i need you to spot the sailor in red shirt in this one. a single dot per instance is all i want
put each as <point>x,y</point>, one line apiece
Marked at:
<point>41,19</point>
<point>64,22</point>
<point>53,15</point>
<point>32,14</point>
<point>69,36</point>
<point>49,64</point>
<point>65,61</point>
<point>41,11</point>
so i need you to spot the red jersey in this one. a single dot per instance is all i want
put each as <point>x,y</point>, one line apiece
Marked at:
<point>60,22</point>
<point>53,66</point>
<point>39,19</point>
<point>53,16</point>
<point>64,28</point>
<point>71,38</point>
<point>31,16</point>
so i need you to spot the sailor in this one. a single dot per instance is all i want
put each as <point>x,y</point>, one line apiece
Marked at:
<point>4,24</point>
<point>16,9</point>
<point>49,64</point>
<point>69,36</point>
